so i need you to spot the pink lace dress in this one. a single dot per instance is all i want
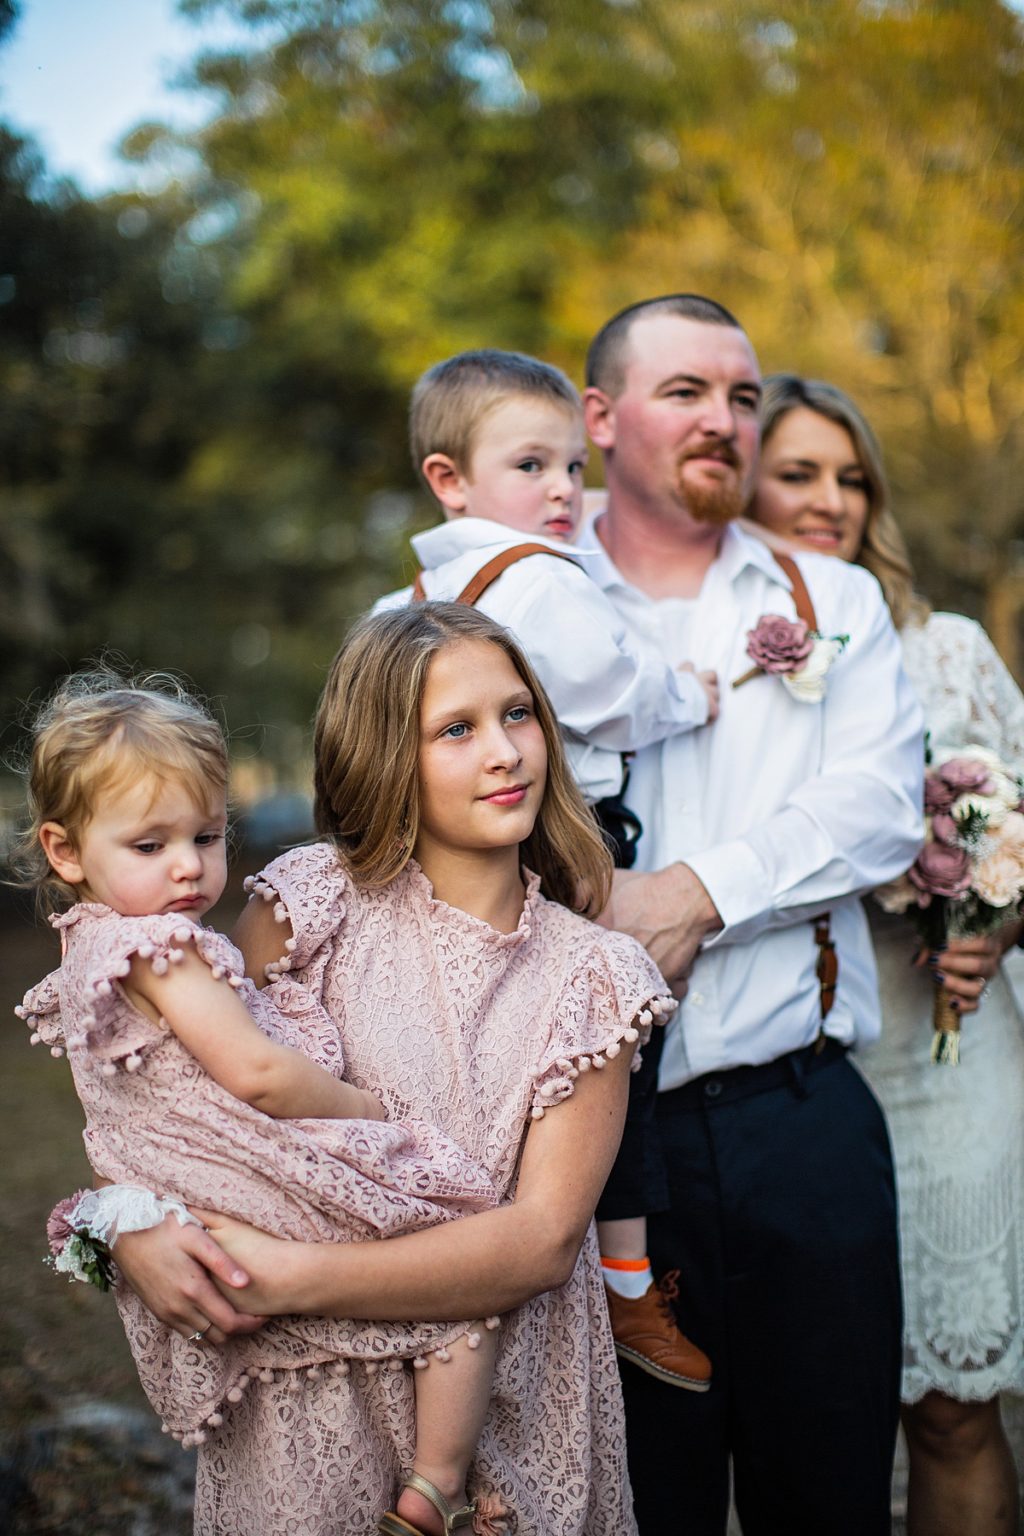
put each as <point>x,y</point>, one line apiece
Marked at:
<point>155,1118</point>
<point>471,1032</point>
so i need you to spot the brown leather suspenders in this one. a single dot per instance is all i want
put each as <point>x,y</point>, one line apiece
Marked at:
<point>827,968</point>
<point>475,589</point>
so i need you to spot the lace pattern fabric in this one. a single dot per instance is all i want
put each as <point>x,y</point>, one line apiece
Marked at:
<point>957,1139</point>
<point>154,1118</point>
<point>465,1034</point>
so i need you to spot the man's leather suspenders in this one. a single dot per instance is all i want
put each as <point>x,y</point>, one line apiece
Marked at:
<point>828,961</point>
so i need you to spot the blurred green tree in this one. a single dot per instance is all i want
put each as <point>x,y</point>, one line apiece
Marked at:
<point>204,458</point>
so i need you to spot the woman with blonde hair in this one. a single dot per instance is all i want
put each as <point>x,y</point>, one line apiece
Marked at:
<point>958,1146</point>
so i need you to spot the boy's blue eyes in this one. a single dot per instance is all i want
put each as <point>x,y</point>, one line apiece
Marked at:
<point>534,466</point>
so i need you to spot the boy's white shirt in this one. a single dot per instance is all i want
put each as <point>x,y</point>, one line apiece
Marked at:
<point>611,691</point>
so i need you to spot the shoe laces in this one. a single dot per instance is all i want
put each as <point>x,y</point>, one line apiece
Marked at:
<point>669,1288</point>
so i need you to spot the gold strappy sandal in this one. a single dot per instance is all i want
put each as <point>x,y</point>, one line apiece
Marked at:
<point>391,1524</point>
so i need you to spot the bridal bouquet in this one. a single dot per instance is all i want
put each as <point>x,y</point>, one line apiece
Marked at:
<point>968,879</point>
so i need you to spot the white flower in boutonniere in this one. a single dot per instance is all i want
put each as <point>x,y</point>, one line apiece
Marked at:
<point>807,683</point>
<point>788,649</point>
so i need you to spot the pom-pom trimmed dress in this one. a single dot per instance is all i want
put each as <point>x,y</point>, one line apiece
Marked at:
<point>465,1034</point>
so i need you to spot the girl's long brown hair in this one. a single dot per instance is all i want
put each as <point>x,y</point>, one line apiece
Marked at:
<point>366,749</point>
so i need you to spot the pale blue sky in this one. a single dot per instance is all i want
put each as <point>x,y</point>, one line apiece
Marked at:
<point>76,75</point>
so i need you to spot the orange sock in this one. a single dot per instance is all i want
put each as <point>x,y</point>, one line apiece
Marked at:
<point>631,1278</point>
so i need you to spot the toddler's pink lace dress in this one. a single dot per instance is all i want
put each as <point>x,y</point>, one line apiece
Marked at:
<point>155,1118</point>
<point>464,1033</point>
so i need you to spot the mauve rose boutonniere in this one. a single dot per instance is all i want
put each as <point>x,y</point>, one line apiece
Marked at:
<point>790,650</point>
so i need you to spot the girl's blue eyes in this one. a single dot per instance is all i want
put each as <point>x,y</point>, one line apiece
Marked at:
<point>460,730</point>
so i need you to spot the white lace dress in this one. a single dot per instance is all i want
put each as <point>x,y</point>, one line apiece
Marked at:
<point>958,1133</point>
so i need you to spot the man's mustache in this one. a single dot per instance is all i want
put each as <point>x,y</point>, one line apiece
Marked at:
<point>720,447</point>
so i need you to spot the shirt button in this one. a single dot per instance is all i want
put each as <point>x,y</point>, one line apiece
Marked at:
<point>712,1089</point>
<point>696,998</point>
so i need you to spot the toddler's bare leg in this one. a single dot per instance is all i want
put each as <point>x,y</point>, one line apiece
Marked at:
<point>452,1398</point>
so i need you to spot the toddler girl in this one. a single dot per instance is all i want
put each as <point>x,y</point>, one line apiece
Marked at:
<point>188,1074</point>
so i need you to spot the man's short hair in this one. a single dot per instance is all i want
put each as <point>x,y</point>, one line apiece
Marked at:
<point>606,356</point>
<point>451,399</point>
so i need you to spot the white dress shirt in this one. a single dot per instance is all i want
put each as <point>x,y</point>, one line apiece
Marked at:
<point>611,690</point>
<point>783,809</point>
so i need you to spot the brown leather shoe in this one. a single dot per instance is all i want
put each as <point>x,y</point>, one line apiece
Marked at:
<point>647,1334</point>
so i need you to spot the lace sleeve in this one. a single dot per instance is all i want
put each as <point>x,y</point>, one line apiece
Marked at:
<point>614,996</point>
<point>969,697</point>
<point>114,1032</point>
<point>40,1008</point>
<point>308,888</point>
<point>997,706</point>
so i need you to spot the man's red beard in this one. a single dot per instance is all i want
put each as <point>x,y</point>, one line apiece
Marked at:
<point>713,501</point>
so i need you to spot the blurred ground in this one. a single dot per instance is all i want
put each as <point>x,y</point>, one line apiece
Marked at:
<point>81,1453</point>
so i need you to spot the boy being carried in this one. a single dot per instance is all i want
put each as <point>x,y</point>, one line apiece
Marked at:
<point>499,440</point>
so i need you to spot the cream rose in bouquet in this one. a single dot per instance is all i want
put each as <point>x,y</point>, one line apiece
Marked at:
<point>968,879</point>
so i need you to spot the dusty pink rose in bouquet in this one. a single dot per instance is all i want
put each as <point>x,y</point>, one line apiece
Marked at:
<point>968,879</point>
<point>944,829</point>
<point>965,775</point>
<point>938,795</point>
<point>940,870</point>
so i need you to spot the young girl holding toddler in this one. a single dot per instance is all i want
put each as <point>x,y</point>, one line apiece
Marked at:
<point>449,1020</point>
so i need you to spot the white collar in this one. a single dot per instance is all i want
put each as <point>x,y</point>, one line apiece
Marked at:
<point>737,551</point>
<point>448,540</point>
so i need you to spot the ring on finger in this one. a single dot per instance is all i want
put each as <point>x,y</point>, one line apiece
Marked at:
<point>194,1338</point>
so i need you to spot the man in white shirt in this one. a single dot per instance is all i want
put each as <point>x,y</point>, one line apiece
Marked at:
<point>783,1221</point>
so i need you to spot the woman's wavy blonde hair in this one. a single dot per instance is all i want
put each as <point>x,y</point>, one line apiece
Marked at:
<point>883,550</point>
<point>366,751</point>
<point>100,731</point>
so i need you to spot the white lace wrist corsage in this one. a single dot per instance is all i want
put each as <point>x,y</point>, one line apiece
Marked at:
<point>83,1229</point>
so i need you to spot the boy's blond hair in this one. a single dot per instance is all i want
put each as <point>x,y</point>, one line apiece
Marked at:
<point>452,399</point>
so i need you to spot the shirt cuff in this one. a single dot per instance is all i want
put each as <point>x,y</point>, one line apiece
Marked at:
<point>732,875</point>
<point>692,696</point>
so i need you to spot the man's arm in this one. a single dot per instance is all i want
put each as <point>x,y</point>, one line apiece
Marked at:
<point>669,912</point>
<point>851,825</point>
